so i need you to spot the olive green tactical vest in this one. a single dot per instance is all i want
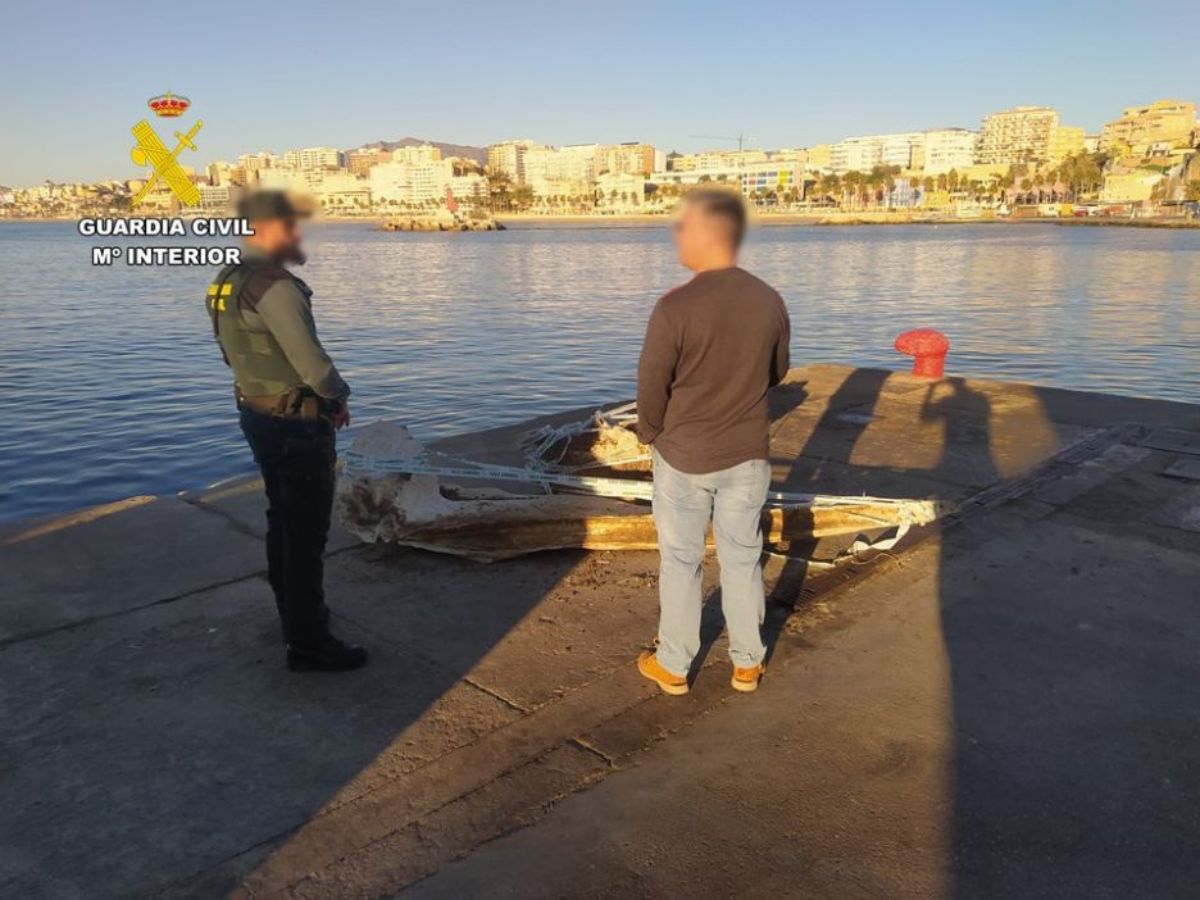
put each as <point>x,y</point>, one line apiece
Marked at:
<point>260,367</point>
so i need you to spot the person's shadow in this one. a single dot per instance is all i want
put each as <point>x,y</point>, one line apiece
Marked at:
<point>822,462</point>
<point>824,454</point>
<point>1053,709</point>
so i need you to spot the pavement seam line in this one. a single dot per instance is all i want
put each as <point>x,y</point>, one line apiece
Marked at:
<point>590,748</point>
<point>507,701</point>
<point>5,643</point>
<point>226,517</point>
<point>413,822</point>
<point>104,617</point>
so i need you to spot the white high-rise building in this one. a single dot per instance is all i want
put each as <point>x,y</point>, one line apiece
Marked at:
<point>413,183</point>
<point>470,189</point>
<point>219,173</point>
<point>508,159</point>
<point>342,190</point>
<point>417,154</point>
<point>633,158</point>
<point>563,171</point>
<point>253,162</point>
<point>1024,134</point>
<point>313,158</point>
<point>715,159</point>
<point>862,154</point>
<point>949,148</point>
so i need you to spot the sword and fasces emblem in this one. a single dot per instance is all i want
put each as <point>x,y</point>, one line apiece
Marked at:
<point>151,151</point>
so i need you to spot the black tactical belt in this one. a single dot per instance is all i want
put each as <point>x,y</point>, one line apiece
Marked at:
<point>291,405</point>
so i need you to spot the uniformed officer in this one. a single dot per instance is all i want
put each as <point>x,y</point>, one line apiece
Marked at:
<point>292,400</point>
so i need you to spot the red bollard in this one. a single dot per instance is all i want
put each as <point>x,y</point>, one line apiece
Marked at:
<point>928,349</point>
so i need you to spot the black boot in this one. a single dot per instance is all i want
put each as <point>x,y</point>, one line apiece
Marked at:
<point>327,655</point>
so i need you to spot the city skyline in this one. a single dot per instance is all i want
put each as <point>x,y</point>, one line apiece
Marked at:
<point>1146,156</point>
<point>202,162</point>
<point>783,76</point>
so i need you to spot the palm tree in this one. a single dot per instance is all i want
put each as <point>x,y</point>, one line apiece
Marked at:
<point>828,185</point>
<point>851,183</point>
<point>872,182</point>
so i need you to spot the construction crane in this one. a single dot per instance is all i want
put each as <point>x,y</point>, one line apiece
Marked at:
<point>740,138</point>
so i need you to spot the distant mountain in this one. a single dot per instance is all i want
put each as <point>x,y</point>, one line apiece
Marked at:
<point>479,154</point>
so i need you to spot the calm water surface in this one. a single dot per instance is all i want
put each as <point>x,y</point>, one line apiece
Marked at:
<point>112,385</point>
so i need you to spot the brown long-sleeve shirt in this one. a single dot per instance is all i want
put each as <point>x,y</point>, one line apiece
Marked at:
<point>713,348</point>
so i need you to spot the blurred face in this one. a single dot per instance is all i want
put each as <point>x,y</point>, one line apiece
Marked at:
<point>279,238</point>
<point>700,239</point>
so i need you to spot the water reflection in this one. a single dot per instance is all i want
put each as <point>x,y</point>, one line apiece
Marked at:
<point>114,388</point>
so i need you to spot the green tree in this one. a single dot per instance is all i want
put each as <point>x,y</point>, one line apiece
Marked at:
<point>828,186</point>
<point>852,183</point>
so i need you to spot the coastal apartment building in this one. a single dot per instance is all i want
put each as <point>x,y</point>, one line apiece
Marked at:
<point>1067,140</point>
<point>250,163</point>
<point>949,149</point>
<point>751,178</point>
<point>862,154</point>
<point>339,189</point>
<point>777,177</point>
<point>715,159</point>
<point>789,154</point>
<point>313,158</point>
<point>631,158</point>
<point>417,154</point>
<point>820,157</point>
<point>410,182</point>
<point>470,189</point>
<point>362,160</point>
<point>1154,129</point>
<point>855,155</point>
<point>334,189</point>
<point>620,190</point>
<point>220,173</point>
<point>508,159</point>
<point>290,178</point>
<point>1024,134</point>
<point>562,171</point>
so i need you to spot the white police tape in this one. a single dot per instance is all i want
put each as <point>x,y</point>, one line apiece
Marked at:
<point>629,489</point>
<point>357,463</point>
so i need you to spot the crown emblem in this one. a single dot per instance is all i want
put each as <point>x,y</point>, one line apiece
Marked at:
<point>169,105</point>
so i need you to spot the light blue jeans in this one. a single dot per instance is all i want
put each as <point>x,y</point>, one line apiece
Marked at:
<point>683,506</point>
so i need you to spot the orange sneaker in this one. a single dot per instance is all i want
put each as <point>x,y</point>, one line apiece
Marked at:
<point>650,667</point>
<point>747,679</point>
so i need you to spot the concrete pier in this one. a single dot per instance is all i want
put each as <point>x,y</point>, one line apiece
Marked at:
<point>1007,704</point>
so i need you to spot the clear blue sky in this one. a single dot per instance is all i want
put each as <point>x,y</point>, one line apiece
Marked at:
<point>264,75</point>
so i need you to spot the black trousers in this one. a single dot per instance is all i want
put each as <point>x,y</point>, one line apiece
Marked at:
<point>297,460</point>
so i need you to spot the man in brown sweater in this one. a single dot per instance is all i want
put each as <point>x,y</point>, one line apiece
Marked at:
<point>713,348</point>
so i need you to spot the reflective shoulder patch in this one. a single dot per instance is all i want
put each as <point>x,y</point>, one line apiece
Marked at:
<point>216,302</point>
